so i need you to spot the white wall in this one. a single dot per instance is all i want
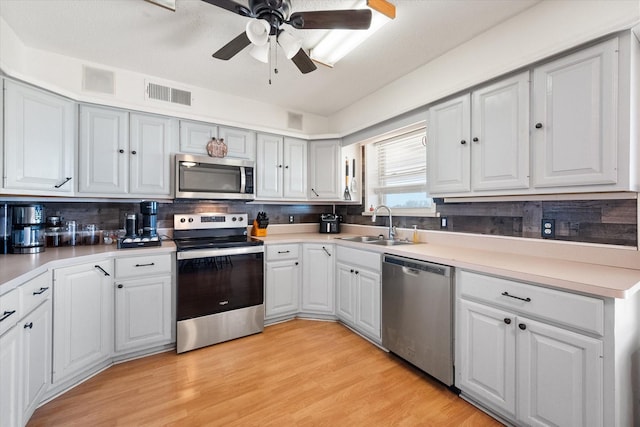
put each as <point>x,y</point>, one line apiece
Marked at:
<point>545,29</point>
<point>63,74</point>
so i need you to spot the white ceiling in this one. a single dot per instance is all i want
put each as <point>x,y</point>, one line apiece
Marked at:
<point>142,37</point>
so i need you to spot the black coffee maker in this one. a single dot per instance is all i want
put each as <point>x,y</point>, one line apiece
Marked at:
<point>149,211</point>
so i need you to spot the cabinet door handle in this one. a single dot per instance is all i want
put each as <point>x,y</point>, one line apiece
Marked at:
<point>6,314</point>
<point>121,151</point>
<point>538,125</point>
<point>326,251</point>
<point>314,192</point>
<point>286,167</point>
<point>67,179</point>
<point>134,152</point>
<point>352,270</point>
<point>120,286</point>
<point>507,320</point>
<point>284,252</point>
<point>280,166</point>
<point>506,294</point>
<point>296,263</point>
<point>475,139</point>
<point>522,326</point>
<point>145,265</point>
<point>357,272</point>
<point>41,291</point>
<point>28,325</point>
<point>463,142</point>
<point>102,269</point>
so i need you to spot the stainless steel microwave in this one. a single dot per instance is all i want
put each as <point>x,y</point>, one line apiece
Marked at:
<point>202,177</point>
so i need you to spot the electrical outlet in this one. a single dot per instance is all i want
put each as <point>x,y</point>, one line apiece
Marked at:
<point>548,228</point>
<point>291,219</point>
<point>443,222</point>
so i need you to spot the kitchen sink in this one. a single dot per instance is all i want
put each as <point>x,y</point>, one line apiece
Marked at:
<point>390,242</point>
<point>375,240</point>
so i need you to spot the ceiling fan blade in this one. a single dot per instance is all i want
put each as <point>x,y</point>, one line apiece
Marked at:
<point>357,19</point>
<point>303,62</point>
<point>231,6</point>
<point>229,50</point>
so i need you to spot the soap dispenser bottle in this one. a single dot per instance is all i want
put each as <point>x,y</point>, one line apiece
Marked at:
<point>415,234</point>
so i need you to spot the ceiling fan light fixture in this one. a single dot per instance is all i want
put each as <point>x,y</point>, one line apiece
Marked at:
<point>258,31</point>
<point>290,44</point>
<point>260,52</point>
<point>338,43</point>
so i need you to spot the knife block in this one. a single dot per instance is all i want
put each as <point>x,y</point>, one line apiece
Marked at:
<point>258,232</point>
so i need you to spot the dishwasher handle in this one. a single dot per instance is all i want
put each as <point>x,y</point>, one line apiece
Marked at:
<point>414,266</point>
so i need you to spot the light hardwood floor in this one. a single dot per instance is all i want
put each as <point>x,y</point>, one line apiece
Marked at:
<point>297,373</point>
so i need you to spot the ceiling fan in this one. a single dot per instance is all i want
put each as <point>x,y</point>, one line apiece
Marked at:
<point>271,15</point>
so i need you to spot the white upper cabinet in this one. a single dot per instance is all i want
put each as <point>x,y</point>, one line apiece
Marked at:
<point>448,152</point>
<point>324,170</point>
<point>241,143</point>
<point>500,135</point>
<point>194,136</point>
<point>575,114</point>
<point>281,168</point>
<point>39,141</point>
<point>124,154</point>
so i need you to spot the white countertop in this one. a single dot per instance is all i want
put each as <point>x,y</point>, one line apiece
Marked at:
<point>582,277</point>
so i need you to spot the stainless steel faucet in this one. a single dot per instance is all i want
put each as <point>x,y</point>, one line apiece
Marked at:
<point>392,232</point>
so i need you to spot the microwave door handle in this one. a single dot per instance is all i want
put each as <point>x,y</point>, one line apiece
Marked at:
<point>243,180</point>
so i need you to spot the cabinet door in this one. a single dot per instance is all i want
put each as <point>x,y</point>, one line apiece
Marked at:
<point>317,278</point>
<point>346,293</point>
<point>241,143</point>
<point>559,376</point>
<point>448,146</point>
<point>368,303</point>
<point>485,355</point>
<point>295,169</point>
<point>194,136</point>
<point>103,160</point>
<point>325,170</point>
<point>574,111</point>
<point>39,140</point>
<point>500,135</point>
<point>269,159</point>
<point>151,138</point>
<point>11,378</point>
<point>83,315</point>
<point>143,313</point>
<point>36,354</point>
<point>282,282</point>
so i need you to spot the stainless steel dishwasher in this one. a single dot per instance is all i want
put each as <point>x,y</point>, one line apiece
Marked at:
<point>417,321</point>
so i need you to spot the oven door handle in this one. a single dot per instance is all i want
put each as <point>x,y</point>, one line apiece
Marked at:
<point>205,253</point>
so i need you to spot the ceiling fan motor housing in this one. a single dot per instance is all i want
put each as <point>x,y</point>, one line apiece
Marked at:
<point>275,12</point>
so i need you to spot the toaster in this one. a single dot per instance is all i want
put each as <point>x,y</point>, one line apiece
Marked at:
<point>330,223</point>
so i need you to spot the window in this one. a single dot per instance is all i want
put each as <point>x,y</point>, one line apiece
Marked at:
<point>396,174</point>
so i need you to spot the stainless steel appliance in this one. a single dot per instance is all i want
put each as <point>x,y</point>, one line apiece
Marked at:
<point>220,279</point>
<point>28,229</point>
<point>330,223</point>
<point>5,228</point>
<point>417,314</point>
<point>149,236</point>
<point>149,211</point>
<point>201,177</point>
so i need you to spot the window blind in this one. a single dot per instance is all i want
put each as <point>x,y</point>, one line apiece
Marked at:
<point>401,164</point>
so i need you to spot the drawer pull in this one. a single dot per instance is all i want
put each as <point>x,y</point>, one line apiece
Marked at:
<point>284,252</point>
<point>102,269</point>
<point>326,251</point>
<point>146,265</point>
<point>41,291</point>
<point>6,314</point>
<point>506,294</point>
<point>28,325</point>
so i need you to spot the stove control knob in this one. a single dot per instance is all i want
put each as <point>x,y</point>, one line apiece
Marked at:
<point>190,219</point>
<point>240,218</point>
<point>234,219</point>
<point>182,220</point>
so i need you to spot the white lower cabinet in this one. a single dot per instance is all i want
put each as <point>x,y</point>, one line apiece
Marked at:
<point>358,284</point>
<point>282,281</point>
<point>531,372</point>
<point>318,278</point>
<point>143,310</point>
<point>83,318</point>
<point>10,378</point>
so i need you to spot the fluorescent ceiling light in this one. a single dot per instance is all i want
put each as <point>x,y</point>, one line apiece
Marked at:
<point>337,43</point>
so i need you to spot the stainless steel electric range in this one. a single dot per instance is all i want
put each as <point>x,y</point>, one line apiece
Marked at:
<point>220,279</point>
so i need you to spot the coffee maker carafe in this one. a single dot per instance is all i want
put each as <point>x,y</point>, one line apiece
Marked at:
<point>27,236</point>
<point>149,211</point>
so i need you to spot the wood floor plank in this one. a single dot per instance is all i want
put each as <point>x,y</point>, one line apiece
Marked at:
<point>297,373</point>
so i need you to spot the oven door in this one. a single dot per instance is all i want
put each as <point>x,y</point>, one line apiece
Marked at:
<point>212,281</point>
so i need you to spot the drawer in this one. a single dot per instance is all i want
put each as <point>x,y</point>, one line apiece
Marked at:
<point>559,307</point>
<point>143,266</point>
<point>35,291</point>
<point>282,252</point>
<point>366,259</point>
<point>9,310</point>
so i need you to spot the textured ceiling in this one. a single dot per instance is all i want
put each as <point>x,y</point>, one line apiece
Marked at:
<point>142,37</point>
